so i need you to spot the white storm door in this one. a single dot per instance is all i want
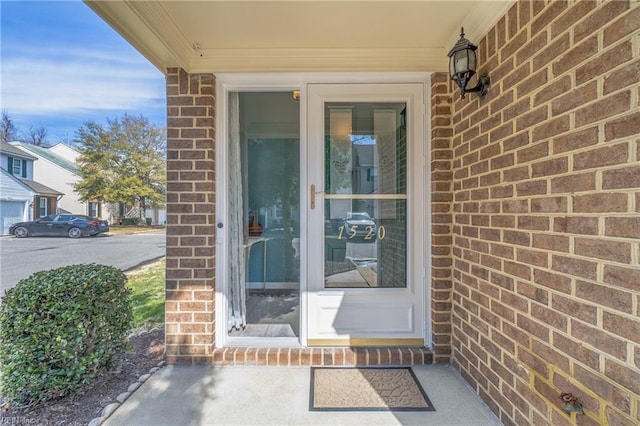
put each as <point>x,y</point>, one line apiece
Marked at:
<point>366,215</point>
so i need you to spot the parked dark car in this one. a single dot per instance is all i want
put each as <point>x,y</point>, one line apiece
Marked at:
<point>60,225</point>
<point>360,224</point>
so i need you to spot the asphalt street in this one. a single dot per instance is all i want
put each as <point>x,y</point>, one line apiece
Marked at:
<point>21,257</point>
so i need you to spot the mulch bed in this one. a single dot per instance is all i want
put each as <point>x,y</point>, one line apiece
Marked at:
<point>83,406</point>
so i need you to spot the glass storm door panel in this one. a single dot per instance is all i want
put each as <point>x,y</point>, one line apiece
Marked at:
<point>365,194</point>
<point>264,223</point>
<point>366,215</point>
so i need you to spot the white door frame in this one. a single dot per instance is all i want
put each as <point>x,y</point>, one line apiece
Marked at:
<point>366,316</point>
<point>229,82</point>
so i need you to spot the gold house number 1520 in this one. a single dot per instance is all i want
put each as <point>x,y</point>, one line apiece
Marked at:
<point>369,233</point>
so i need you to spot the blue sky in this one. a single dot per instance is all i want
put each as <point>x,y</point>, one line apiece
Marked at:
<point>61,66</point>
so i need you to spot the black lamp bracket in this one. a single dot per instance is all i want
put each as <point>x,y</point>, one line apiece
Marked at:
<point>481,88</point>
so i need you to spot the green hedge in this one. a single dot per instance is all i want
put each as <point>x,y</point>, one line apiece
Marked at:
<point>59,329</point>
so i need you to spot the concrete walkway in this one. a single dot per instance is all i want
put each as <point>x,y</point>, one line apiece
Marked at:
<point>181,395</point>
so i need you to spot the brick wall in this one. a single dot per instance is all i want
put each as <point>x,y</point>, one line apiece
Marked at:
<point>546,215</point>
<point>189,318</point>
<point>441,218</point>
<point>190,268</point>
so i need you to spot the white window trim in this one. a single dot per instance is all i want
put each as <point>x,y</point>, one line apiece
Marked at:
<point>45,207</point>
<point>17,162</point>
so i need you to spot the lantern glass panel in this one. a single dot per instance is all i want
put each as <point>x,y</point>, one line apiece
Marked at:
<point>472,60</point>
<point>462,62</point>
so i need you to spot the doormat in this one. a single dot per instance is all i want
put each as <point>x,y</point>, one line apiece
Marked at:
<point>366,389</point>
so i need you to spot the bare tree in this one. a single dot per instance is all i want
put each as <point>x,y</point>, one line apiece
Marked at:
<point>37,136</point>
<point>8,131</point>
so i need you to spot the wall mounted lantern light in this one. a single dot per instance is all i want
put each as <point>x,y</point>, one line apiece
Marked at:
<point>462,66</point>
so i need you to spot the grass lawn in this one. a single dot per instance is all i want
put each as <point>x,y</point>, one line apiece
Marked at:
<point>147,295</point>
<point>130,229</point>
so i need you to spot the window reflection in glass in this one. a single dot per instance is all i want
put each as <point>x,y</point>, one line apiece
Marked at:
<point>365,243</point>
<point>365,148</point>
<point>366,187</point>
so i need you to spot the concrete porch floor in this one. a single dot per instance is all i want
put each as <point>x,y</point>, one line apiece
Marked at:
<point>251,395</point>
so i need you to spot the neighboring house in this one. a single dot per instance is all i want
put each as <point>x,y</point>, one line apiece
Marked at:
<point>47,201</point>
<point>16,201</point>
<point>65,151</point>
<point>110,211</point>
<point>66,156</point>
<point>16,161</point>
<point>508,225</point>
<point>156,216</point>
<point>57,167</point>
<point>22,198</point>
<point>59,173</point>
<point>152,216</point>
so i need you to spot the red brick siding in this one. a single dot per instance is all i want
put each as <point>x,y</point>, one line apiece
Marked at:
<point>544,224</point>
<point>441,206</point>
<point>190,282</point>
<point>322,356</point>
<point>190,315</point>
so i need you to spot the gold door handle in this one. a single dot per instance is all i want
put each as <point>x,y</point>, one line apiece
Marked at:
<point>313,196</point>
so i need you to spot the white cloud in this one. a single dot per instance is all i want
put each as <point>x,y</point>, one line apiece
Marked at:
<point>62,65</point>
<point>78,80</point>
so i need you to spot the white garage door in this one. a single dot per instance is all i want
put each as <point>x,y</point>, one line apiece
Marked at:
<point>10,213</point>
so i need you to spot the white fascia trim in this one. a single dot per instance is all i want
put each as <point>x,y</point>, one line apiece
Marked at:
<point>277,80</point>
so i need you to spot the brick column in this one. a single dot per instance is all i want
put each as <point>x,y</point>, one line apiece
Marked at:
<point>441,217</point>
<point>190,316</point>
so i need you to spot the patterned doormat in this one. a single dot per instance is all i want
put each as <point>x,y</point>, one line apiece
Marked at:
<point>366,389</point>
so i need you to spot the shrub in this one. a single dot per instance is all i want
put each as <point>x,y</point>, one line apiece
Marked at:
<point>130,221</point>
<point>59,329</point>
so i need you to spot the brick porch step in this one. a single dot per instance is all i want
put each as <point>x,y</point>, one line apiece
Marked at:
<point>328,356</point>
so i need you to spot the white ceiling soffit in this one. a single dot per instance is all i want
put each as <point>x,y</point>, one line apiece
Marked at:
<point>299,35</point>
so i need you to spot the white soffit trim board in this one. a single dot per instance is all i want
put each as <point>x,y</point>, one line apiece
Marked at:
<point>309,60</point>
<point>152,31</point>
<point>165,29</point>
<point>483,16</point>
<point>122,16</point>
